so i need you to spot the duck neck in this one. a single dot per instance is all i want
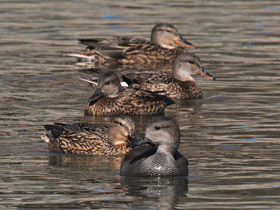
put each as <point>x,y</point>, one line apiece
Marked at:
<point>166,149</point>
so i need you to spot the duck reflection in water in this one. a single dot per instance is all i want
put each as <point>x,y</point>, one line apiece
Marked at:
<point>162,191</point>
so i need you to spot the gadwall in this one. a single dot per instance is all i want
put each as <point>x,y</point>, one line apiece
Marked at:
<point>178,84</point>
<point>84,138</point>
<point>156,153</point>
<point>110,98</point>
<point>165,45</point>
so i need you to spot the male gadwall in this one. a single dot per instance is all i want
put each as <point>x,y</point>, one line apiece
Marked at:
<point>110,98</point>
<point>156,153</point>
<point>84,138</point>
<point>165,45</point>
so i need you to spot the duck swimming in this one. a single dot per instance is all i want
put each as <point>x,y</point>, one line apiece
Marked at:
<point>178,84</point>
<point>89,139</point>
<point>165,45</point>
<point>156,153</point>
<point>110,98</point>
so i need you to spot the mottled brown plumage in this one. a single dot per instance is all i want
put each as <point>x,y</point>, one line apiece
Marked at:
<point>110,98</point>
<point>89,139</point>
<point>165,45</point>
<point>178,84</point>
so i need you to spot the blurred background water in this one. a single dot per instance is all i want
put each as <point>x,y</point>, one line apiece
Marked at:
<point>231,137</point>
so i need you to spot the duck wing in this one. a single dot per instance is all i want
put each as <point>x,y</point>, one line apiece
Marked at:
<point>157,82</point>
<point>77,130</point>
<point>123,42</point>
<point>149,100</point>
<point>147,77</point>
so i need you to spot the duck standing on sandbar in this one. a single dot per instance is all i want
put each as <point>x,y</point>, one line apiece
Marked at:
<point>165,45</point>
<point>156,153</point>
<point>110,98</point>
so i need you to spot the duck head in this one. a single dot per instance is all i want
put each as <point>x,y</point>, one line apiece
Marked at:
<point>186,65</point>
<point>108,85</point>
<point>122,130</point>
<point>167,36</point>
<point>162,132</point>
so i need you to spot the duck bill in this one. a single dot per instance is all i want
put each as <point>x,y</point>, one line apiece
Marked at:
<point>140,141</point>
<point>130,139</point>
<point>202,72</point>
<point>184,43</point>
<point>97,95</point>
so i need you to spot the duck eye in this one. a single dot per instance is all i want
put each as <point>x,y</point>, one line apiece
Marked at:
<point>119,123</point>
<point>191,62</point>
<point>107,83</point>
<point>157,128</point>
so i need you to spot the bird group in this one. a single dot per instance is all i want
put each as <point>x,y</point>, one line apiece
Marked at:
<point>154,154</point>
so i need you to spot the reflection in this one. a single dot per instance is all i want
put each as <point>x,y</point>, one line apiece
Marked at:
<point>186,105</point>
<point>90,163</point>
<point>99,119</point>
<point>166,191</point>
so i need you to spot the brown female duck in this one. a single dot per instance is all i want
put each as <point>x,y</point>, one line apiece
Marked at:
<point>84,138</point>
<point>110,98</point>
<point>178,84</point>
<point>165,45</point>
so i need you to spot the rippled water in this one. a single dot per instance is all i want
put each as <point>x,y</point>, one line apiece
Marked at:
<point>231,137</point>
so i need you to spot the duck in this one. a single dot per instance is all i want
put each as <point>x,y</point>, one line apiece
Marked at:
<point>179,84</point>
<point>165,45</point>
<point>156,154</point>
<point>91,139</point>
<point>110,98</point>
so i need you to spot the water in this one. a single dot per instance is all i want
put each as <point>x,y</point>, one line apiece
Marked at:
<point>231,137</point>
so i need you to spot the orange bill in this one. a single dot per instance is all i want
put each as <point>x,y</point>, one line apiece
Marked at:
<point>205,74</point>
<point>184,43</point>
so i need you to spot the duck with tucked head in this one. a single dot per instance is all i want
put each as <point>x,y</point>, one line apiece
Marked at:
<point>156,153</point>
<point>178,84</point>
<point>110,98</point>
<point>89,139</point>
<point>165,45</point>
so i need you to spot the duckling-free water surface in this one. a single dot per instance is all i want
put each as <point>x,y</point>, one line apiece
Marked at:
<point>231,137</point>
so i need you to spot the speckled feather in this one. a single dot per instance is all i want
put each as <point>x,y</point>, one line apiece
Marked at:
<point>129,101</point>
<point>163,165</point>
<point>165,45</point>
<point>82,138</point>
<point>147,53</point>
<point>164,84</point>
